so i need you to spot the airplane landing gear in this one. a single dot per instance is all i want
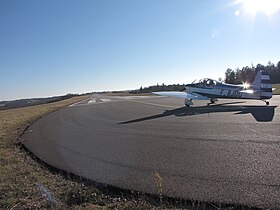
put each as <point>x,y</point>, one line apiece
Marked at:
<point>266,102</point>
<point>213,100</point>
<point>188,102</point>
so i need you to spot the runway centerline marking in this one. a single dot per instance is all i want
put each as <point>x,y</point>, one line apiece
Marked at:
<point>105,99</point>
<point>152,104</point>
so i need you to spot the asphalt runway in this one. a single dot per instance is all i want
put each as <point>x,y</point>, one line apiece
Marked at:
<point>228,152</point>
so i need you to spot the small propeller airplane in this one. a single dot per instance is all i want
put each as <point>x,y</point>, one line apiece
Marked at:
<point>209,89</point>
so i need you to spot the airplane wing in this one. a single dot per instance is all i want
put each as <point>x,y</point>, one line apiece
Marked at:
<point>189,96</point>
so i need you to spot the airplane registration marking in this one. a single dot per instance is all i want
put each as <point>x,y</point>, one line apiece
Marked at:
<point>231,93</point>
<point>265,85</point>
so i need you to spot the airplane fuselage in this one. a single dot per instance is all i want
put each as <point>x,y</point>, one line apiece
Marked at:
<point>223,91</point>
<point>209,89</point>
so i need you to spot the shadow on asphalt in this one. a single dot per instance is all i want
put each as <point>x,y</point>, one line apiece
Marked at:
<point>260,113</point>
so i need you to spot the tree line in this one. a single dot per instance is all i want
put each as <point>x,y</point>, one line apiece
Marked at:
<point>247,74</point>
<point>237,76</point>
<point>163,87</point>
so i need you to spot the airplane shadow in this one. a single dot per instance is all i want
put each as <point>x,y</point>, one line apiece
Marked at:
<point>260,113</point>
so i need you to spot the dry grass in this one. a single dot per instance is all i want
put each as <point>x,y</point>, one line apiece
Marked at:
<point>277,91</point>
<point>26,183</point>
<point>20,174</point>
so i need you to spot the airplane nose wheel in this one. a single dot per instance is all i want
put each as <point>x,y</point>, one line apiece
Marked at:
<point>188,102</point>
<point>212,101</point>
<point>266,102</point>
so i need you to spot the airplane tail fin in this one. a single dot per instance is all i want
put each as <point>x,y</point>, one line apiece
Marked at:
<point>262,83</point>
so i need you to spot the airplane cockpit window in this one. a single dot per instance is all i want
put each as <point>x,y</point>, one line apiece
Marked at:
<point>210,82</point>
<point>202,82</point>
<point>207,82</point>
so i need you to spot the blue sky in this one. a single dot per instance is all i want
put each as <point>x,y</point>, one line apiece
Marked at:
<point>51,47</point>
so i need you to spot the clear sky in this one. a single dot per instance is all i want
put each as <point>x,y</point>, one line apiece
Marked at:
<point>54,47</point>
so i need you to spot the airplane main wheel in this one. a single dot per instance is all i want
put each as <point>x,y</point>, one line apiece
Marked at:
<point>187,105</point>
<point>267,103</point>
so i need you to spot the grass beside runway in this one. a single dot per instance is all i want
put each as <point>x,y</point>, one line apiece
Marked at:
<point>277,90</point>
<point>20,175</point>
<point>27,183</point>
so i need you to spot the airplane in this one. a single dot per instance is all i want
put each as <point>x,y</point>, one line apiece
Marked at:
<point>209,89</point>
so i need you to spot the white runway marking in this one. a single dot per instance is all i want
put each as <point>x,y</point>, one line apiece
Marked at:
<point>78,102</point>
<point>160,105</point>
<point>136,97</point>
<point>92,101</point>
<point>105,99</point>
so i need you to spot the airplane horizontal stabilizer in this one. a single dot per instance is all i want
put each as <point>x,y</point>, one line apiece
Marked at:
<point>250,91</point>
<point>193,96</point>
